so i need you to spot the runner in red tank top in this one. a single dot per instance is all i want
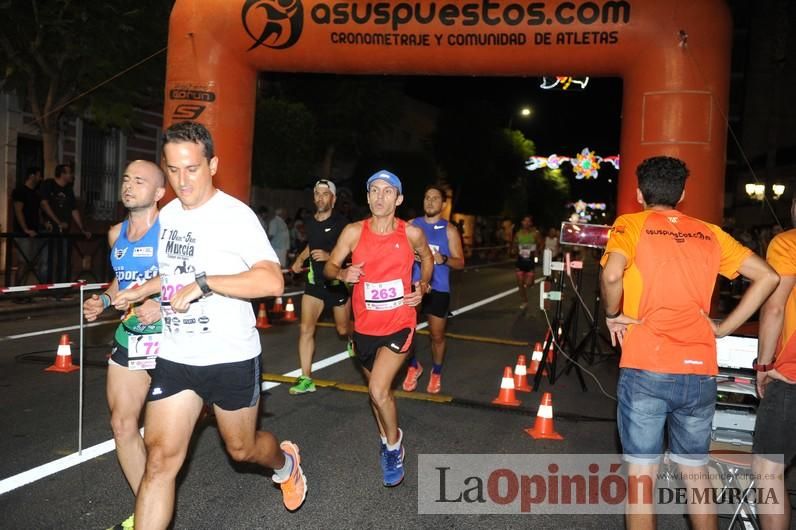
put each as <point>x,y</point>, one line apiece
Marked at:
<point>379,307</point>
<point>383,249</point>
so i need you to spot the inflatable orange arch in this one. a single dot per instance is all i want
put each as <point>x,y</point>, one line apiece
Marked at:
<point>673,57</point>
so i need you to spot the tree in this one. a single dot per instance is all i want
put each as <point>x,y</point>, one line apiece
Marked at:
<point>350,111</point>
<point>54,52</point>
<point>548,193</point>
<point>482,160</point>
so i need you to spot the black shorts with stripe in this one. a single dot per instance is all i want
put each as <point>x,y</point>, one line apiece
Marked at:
<point>367,346</point>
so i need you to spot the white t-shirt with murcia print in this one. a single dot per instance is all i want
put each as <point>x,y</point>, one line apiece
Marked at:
<point>223,236</point>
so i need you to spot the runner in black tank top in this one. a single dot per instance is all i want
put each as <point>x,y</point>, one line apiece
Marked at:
<point>323,229</point>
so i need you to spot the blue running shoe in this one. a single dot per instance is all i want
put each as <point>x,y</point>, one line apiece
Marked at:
<point>392,465</point>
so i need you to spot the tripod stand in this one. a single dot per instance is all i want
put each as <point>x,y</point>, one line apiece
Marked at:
<point>558,335</point>
<point>588,346</point>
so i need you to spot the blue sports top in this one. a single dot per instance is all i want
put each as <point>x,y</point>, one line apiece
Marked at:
<point>135,261</point>
<point>437,236</point>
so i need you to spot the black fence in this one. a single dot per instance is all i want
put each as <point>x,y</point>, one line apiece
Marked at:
<point>55,258</point>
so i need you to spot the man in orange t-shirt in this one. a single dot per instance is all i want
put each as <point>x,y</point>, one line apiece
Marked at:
<point>774,443</point>
<point>664,263</point>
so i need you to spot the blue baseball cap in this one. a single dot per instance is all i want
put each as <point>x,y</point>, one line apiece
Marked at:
<point>387,177</point>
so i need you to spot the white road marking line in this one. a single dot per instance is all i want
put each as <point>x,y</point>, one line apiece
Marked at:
<point>343,355</point>
<point>56,330</point>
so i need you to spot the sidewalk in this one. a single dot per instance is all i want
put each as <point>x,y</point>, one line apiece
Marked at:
<point>16,304</point>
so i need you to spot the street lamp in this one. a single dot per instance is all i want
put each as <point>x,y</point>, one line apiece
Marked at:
<point>523,112</point>
<point>757,191</point>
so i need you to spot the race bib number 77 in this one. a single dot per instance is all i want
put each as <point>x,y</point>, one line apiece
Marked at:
<point>142,351</point>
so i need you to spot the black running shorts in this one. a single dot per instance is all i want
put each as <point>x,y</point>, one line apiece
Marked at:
<point>231,386</point>
<point>332,295</point>
<point>525,265</point>
<point>119,354</point>
<point>436,303</point>
<point>367,346</point>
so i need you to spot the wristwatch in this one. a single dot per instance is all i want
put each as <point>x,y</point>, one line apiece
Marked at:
<point>444,259</point>
<point>201,280</point>
<point>762,367</point>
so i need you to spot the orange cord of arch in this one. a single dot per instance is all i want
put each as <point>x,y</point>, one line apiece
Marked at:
<point>673,58</point>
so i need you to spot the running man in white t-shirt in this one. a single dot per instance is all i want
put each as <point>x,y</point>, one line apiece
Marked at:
<point>213,257</point>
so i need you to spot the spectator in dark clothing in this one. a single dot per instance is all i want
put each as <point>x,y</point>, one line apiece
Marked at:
<point>27,204</point>
<point>58,200</point>
<point>27,213</point>
<point>59,205</point>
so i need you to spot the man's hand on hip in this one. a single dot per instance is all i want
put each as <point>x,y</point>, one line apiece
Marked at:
<point>617,327</point>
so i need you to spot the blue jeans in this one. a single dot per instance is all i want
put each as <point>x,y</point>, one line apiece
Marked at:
<point>648,401</point>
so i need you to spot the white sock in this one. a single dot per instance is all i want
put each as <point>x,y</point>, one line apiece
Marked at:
<point>383,439</point>
<point>396,445</point>
<point>284,472</point>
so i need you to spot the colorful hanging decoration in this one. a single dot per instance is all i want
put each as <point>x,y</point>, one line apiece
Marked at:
<point>585,164</point>
<point>563,82</point>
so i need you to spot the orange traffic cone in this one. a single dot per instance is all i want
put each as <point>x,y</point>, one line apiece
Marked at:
<point>262,318</point>
<point>521,376</point>
<point>63,357</point>
<point>277,309</point>
<point>551,353</point>
<point>506,394</point>
<point>543,426</point>
<point>290,311</point>
<point>536,358</point>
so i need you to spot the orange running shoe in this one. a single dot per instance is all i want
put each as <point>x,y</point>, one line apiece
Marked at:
<point>434,383</point>
<point>294,488</point>
<point>412,375</point>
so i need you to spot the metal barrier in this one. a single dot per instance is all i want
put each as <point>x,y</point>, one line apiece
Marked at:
<point>51,258</point>
<point>83,288</point>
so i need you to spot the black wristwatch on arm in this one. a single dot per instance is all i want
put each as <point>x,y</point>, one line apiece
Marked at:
<point>201,280</point>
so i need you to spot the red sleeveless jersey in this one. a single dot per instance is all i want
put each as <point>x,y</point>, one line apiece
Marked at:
<point>378,297</point>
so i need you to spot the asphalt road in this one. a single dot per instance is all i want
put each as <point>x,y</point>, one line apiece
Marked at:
<point>333,427</point>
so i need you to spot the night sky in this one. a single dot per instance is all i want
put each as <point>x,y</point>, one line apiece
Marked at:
<point>563,122</point>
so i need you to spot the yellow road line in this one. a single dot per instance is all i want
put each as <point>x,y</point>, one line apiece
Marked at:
<point>459,336</point>
<point>362,389</point>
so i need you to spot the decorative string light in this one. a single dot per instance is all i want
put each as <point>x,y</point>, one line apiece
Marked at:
<point>585,164</point>
<point>563,82</point>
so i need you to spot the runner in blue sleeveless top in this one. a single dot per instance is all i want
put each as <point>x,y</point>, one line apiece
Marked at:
<point>134,261</point>
<point>446,247</point>
<point>134,254</point>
